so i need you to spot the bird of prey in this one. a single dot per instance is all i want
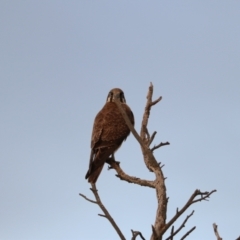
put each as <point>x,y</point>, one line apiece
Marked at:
<point>109,131</point>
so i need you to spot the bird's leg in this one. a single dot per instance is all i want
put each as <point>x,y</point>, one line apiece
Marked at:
<point>111,160</point>
<point>113,157</point>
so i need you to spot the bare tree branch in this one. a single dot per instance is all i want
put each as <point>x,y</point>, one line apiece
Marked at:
<point>152,165</point>
<point>105,211</point>
<point>187,233</point>
<point>173,233</point>
<point>216,231</point>
<point>123,176</point>
<point>191,200</point>
<point>159,145</point>
<point>135,234</point>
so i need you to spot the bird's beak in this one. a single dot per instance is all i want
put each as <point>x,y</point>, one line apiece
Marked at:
<point>116,97</point>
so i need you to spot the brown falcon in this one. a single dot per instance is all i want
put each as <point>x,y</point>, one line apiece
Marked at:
<point>109,131</point>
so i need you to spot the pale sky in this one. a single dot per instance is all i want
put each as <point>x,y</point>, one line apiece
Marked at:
<point>59,59</point>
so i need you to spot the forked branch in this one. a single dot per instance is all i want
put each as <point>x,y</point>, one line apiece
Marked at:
<point>193,199</point>
<point>105,211</point>
<point>187,233</point>
<point>135,234</point>
<point>173,233</point>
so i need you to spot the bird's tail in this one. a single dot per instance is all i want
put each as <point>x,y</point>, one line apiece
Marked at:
<point>94,174</point>
<point>96,165</point>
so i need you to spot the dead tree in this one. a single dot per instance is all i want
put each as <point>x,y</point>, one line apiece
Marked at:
<point>145,140</point>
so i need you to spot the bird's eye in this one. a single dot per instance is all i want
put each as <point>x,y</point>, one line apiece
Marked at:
<point>110,96</point>
<point>122,98</point>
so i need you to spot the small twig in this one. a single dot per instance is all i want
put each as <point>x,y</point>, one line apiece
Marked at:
<point>154,232</point>
<point>156,101</point>
<point>159,145</point>
<point>216,231</point>
<point>181,227</point>
<point>135,234</point>
<point>172,233</point>
<point>148,136</point>
<point>204,196</point>
<point>88,199</point>
<point>187,233</point>
<point>152,138</point>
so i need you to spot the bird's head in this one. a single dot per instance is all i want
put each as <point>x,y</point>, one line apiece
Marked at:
<point>116,94</point>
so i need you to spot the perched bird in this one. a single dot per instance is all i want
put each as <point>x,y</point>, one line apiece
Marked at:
<point>109,131</point>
